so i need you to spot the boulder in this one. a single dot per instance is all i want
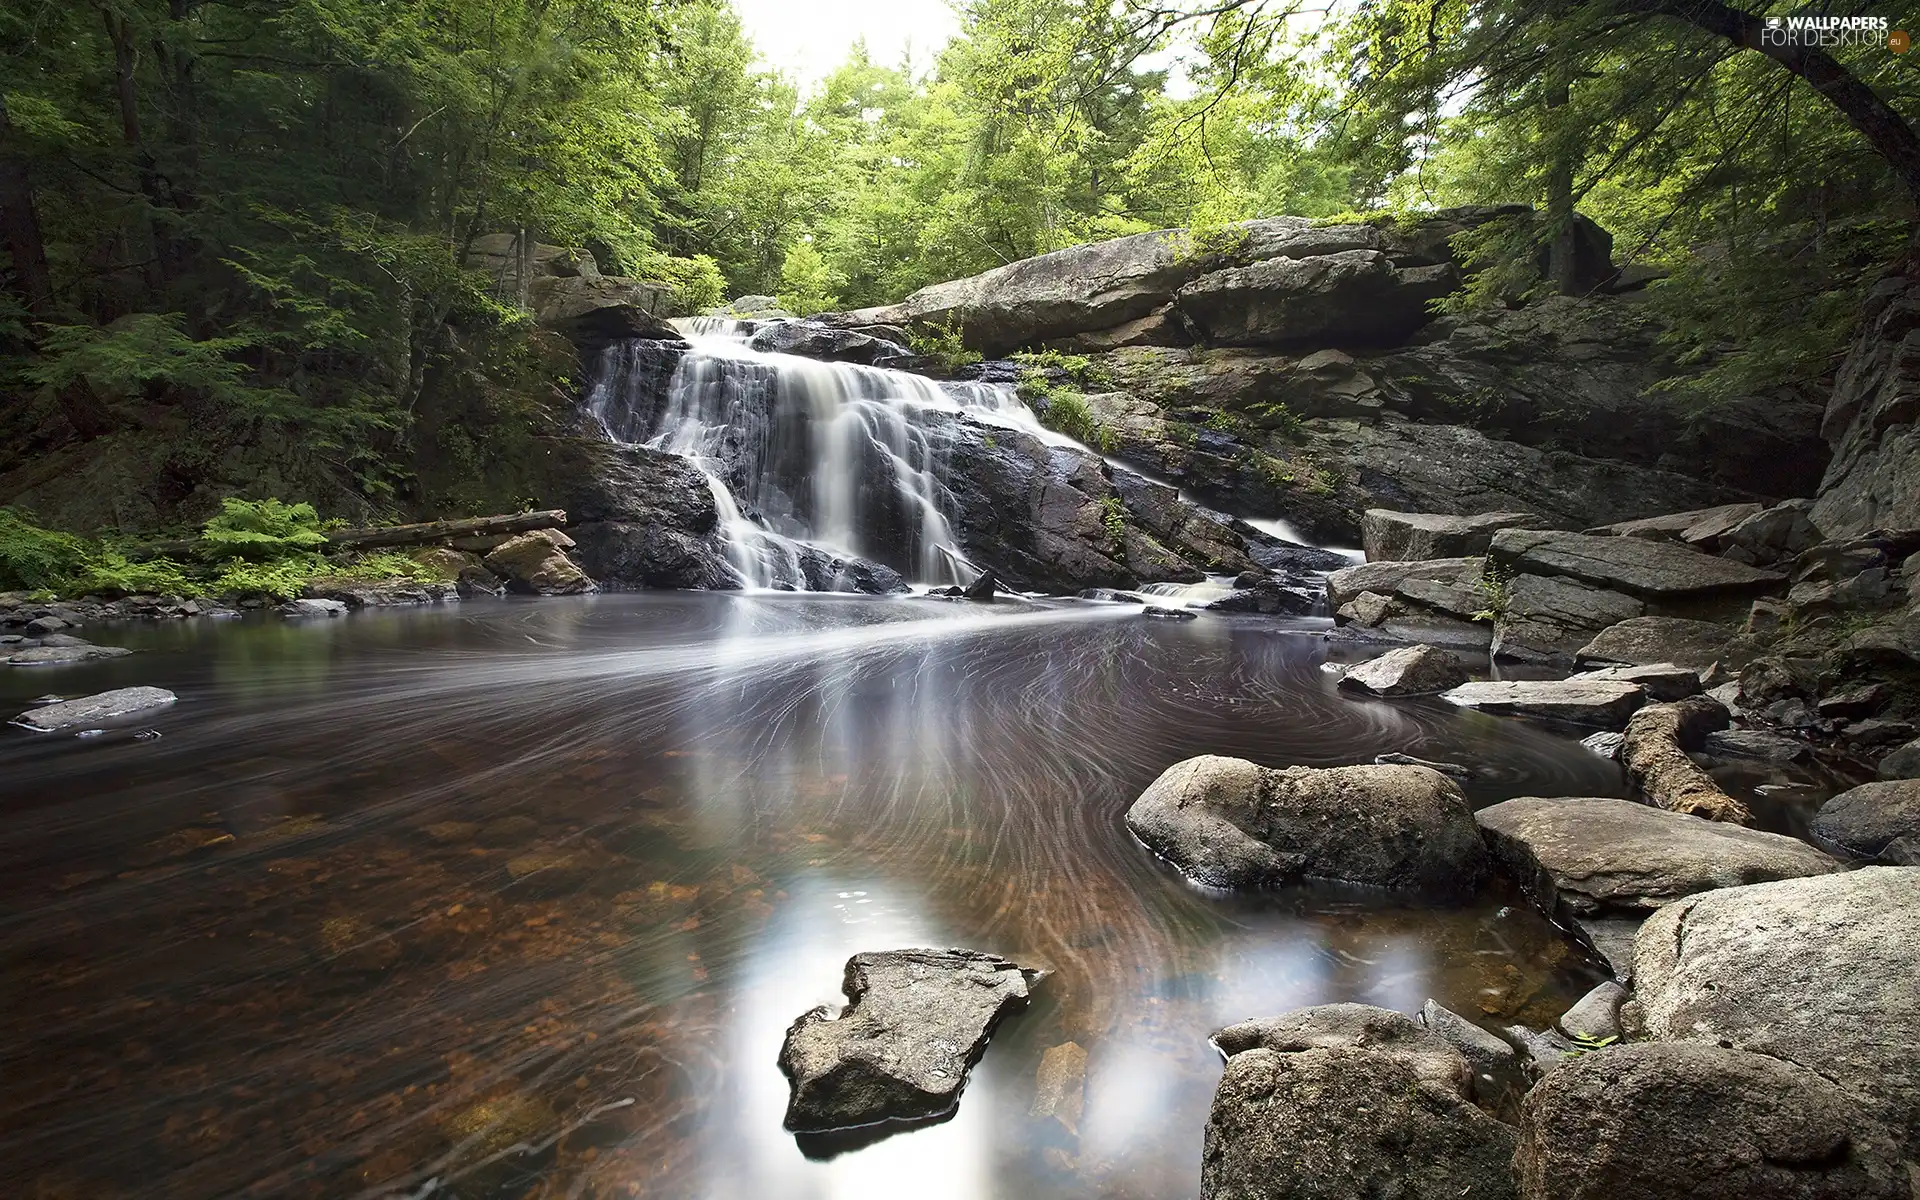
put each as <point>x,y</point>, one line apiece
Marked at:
<point>1595,1017</point>
<point>1408,671</point>
<point>642,518</point>
<point>1876,821</point>
<point>1348,1100</point>
<point>981,589</point>
<point>596,310</point>
<point>1903,763</point>
<point>1822,971</point>
<point>1772,536</point>
<point>1873,480</point>
<point>1702,527</point>
<point>1651,570</point>
<point>45,655</point>
<point>1387,578</point>
<point>1226,822</point>
<point>825,571</point>
<point>1347,297</point>
<point>537,563</point>
<point>1574,702</point>
<point>87,710</point>
<point>1663,681</point>
<point>812,339</point>
<point>1651,1122</point>
<point>1639,641</point>
<point>1547,620</point>
<point>915,1023</point>
<point>1409,537</point>
<point>1587,856</point>
<point>308,607</point>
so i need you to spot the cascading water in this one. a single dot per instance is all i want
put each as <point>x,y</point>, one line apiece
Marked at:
<point>803,454</point>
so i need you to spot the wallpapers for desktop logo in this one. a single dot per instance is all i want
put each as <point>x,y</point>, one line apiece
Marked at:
<point>1832,33</point>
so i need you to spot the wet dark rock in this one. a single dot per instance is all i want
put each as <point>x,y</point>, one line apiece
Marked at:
<point>1408,671</point>
<point>1571,702</point>
<point>1347,1100</point>
<point>1389,536</point>
<point>1267,596</point>
<point>1606,745</point>
<point>1226,822</point>
<point>813,339</point>
<point>1875,821</point>
<point>1821,971</point>
<point>1650,1122</point>
<point>87,710</point>
<point>1873,481</point>
<point>828,572</point>
<point>1169,614</point>
<point>1644,640</point>
<point>1548,620</point>
<point>1112,595</point>
<point>381,595</point>
<point>915,1024</point>
<point>1903,763</point>
<point>1588,855</point>
<point>982,588</point>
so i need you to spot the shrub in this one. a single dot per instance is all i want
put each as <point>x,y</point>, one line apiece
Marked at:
<point>261,530</point>
<point>944,343</point>
<point>1067,413</point>
<point>36,558</point>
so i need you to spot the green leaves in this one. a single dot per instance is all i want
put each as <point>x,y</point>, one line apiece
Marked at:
<point>261,530</point>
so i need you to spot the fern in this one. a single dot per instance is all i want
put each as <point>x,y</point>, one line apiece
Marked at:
<point>261,530</point>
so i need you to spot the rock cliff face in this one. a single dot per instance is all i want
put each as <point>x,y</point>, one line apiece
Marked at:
<point>1873,420</point>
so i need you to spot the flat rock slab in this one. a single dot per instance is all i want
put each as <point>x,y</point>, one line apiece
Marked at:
<point>1606,704</point>
<point>1639,641</point>
<point>1227,822</point>
<point>1823,972</point>
<point>1696,525</point>
<point>1386,578</point>
<point>1590,855</point>
<point>1873,821</point>
<point>1654,1121</point>
<point>916,1023</point>
<point>104,706</point>
<point>49,655</point>
<point>1389,536</point>
<point>1663,681</point>
<point>1649,569</point>
<point>1408,671</point>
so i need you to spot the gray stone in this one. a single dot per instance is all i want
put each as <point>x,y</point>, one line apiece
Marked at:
<point>1595,1017</point>
<point>1368,608</point>
<point>1779,533</point>
<point>1347,1100</point>
<point>1408,671</point>
<point>594,310</point>
<point>1547,620</point>
<point>1870,733</point>
<point>537,563</point>
<point>1351,296</point>
<point>1873,821</point>
<point>1541,1050</point>
<point>1644,640</point>
<point>1588,855</point>
<point>34,656</point>
<point>915,1023</point>
<point>1496,1069</point>
<point>1389,536</point>
<point>1606,745</point>
<point>1873,479</point>
<point>1860,701</point>
<point>1386,578</point>
<point>1651,570</point>
<point>1610,935</point>
<point>1226,822</point>
<point>1755,744</point>
<point>1701,525</point>
<point>1663,681</point>
<point>40,626</point>
<point>1607,705</point>
<point>306,607</point>
<point>1653,1122</point>
<point>1903,763</point>
<point>104,706</point>
<point>1822,971</point>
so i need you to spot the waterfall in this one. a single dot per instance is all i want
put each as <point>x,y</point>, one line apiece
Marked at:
<point>801,454</point>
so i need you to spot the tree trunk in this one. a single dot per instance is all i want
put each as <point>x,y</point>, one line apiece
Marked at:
<point>1563,250</point>
<point>1876,120</point>
<point>423,534</point>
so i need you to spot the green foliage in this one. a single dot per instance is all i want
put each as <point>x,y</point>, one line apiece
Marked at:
<point>1275,415</point>
<point>142,352</point>
<point>1081,370</point>
<point>1113,518</point>
<point>1067,412</point>
<point>1496,591</point>
<point>944,344</point>
<point>261,531</point>
<point>806,284</point>
<point>696,282</point>
<point>33,558</point>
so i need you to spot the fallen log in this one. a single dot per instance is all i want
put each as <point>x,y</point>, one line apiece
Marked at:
<point>1655,755</point>
<point>424,533</point>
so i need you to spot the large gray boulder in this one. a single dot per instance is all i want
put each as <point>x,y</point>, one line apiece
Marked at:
<point>596,309</point>
<point>1652,570</point>
<point>1460,576</point>
<point>1348,297</point>
<point>1702,528</point>
<point>1347,1100</point>
<point>1606,704</point>
<point>1589,856</point>
<point>1652,1122</point>
<point>90,710</point>
<point>1873,481</point>
<point>1546,619</point>
<point>1822,971</point>
<point>1229,823</point>
<point>1873,821</point>
<point>1643,641</point>
<point>1408,671</point>
<point>916,1022</point>
<point>1389,536</point>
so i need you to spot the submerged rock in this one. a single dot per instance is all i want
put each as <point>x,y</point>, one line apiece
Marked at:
<point>1602,703</point>
<point>915,1023</point>
<point>1650,1122</point>
<point>1348,1100</point>
<point>1408,671</point>
<point>1226,822</point>
<point>103,706</point>
<point>1586,855</point>
<point>1873,821</point>
<point>1823,972</point>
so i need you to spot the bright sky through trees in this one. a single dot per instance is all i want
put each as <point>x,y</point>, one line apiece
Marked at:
<point>809,38</point>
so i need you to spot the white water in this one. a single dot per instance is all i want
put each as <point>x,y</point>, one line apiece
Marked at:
<point>803,453</point>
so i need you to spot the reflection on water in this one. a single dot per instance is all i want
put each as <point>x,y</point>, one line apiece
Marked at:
<point>518,899</point>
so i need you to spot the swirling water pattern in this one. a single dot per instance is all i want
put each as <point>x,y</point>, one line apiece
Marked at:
<point>517,899</point>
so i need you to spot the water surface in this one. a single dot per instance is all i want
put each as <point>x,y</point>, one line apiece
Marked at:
<point>516,899</point>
